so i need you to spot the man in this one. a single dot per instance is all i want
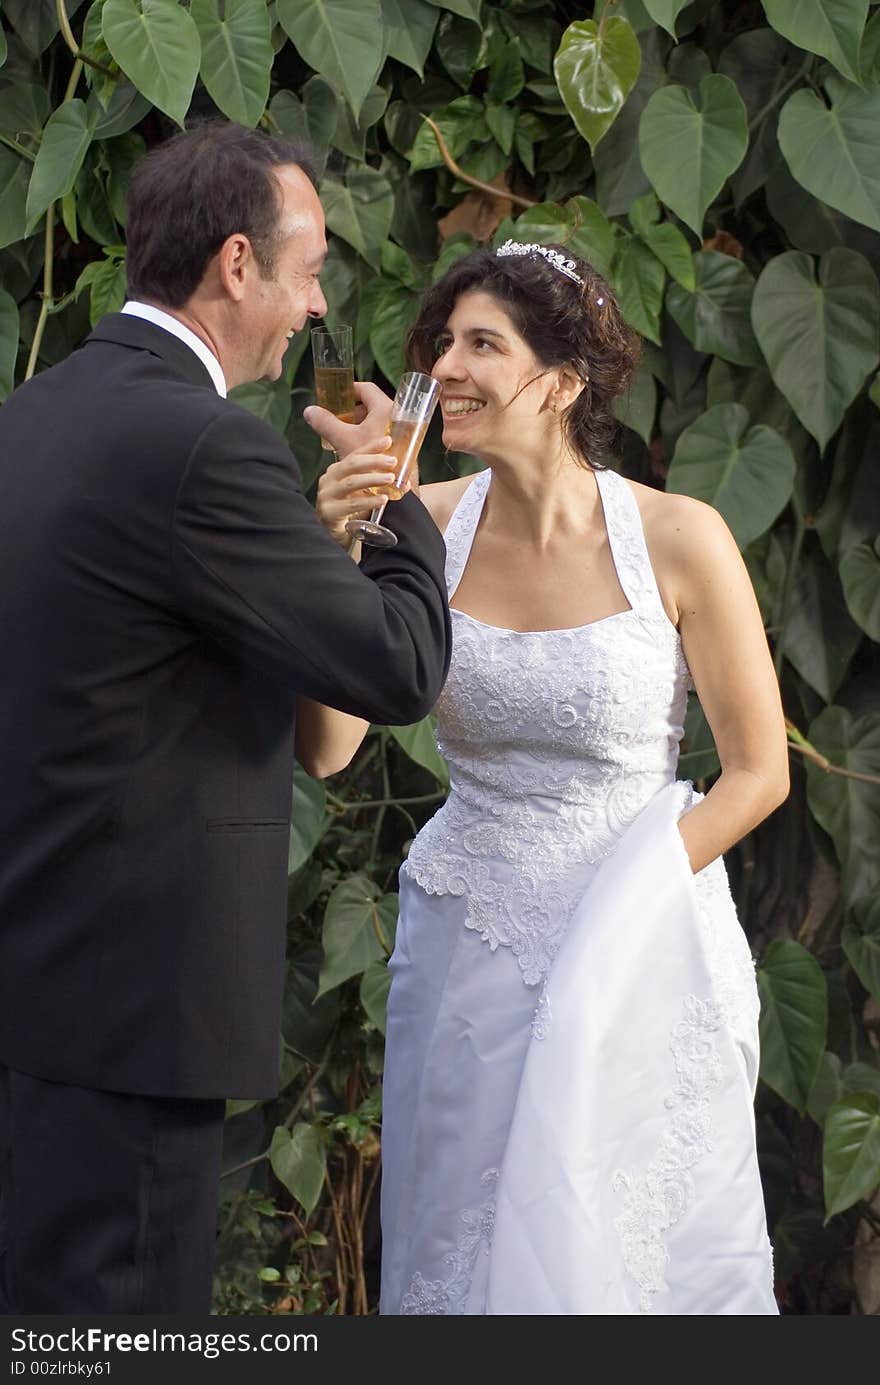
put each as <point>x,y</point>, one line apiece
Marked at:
<point>165,593</point>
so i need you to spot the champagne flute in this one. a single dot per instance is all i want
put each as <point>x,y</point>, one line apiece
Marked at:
<point>334,373</point>
<point>414,403</point>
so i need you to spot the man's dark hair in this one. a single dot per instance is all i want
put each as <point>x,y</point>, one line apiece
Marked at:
<point>192,192</point>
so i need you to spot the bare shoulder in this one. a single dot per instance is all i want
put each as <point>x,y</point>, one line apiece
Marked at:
<point>441,497</point>
<point>681,532</point>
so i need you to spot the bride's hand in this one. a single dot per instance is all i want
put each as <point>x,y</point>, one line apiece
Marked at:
<point>342,491</point>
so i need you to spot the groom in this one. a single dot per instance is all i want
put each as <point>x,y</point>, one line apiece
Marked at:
<point>165,593</point>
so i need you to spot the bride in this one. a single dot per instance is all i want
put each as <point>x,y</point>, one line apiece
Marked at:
<point>572,1024</point>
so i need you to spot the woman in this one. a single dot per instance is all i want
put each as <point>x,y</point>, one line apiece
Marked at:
<point>572,1024</point>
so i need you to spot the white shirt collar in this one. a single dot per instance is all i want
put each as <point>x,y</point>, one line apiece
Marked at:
<point>177,329</point>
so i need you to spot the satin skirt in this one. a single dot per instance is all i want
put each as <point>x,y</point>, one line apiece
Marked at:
<point>588,1147</point>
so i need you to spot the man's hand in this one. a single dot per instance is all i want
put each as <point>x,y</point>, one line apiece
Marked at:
<point>373,419</point>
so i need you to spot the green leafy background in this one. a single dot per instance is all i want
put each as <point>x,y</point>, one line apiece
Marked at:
<point>719,161</point>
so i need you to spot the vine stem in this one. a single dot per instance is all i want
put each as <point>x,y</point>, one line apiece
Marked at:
<point>778,95</point>
<point>48,291</point>
<point>352,807</point>
<point>292,1115</point>
<point>17,148</point>
<point>466,177</point>
<point>798,741</point>
<point>48,294</point>
<point>68,35</point>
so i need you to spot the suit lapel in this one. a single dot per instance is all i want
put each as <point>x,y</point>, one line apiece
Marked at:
<point>137,334</point>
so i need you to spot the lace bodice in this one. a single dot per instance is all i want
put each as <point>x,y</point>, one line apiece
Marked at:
<point>555,741</point>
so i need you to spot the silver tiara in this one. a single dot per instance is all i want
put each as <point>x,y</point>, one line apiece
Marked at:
<point>553,257</point>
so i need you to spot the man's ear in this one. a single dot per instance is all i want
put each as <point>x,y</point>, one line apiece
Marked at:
<point>234,258</point>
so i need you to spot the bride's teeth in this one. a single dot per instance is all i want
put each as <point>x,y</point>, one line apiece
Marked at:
<point>463,406</point>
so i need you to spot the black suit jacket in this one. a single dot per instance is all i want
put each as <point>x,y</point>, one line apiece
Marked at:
<point>165,592</point>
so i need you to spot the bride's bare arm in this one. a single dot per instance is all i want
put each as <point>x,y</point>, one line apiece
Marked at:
<point>724,642</point>
<point>327,740</point>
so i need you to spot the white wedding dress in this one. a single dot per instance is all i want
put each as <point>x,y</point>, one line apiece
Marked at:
<point>572,1025</point>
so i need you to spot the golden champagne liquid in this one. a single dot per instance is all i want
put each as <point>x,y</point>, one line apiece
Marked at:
<point>334,390</point>
<point>407,436</point>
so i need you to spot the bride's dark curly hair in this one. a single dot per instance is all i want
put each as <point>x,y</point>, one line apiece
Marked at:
<point>564,323</point>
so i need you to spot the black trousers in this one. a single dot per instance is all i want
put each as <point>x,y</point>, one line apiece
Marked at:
<point>108,1202</point>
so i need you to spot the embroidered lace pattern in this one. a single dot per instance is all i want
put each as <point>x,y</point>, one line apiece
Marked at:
<point>657,1198</point>
<point>448,1296</point>
<point>555,740</point>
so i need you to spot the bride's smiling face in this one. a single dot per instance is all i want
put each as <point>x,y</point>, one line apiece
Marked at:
<point>495,392</point>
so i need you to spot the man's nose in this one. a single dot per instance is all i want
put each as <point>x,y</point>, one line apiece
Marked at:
<point>318,303</point>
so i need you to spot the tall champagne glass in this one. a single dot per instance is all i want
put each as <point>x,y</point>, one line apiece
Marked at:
<point>334,373</point>
<point>411,412</point>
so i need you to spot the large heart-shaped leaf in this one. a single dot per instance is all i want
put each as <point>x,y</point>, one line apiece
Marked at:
<point>344,40</point>
<point>299,1160</point>
<point>832,28</point>
<point>9,330</point>
<point>593,236</point>
<point>359,924</point>
<point>794,1019</point>
<point>861,943</point>
<point>636,407</point>
<point>420,743</point>
<point>237,55</point>
<point>820,338</point>
<point>699,757</point>
<point>848,809</point>
<point>596,66</point>
<point>64,145</point>
<point>394,312</point>
<point>860,575</point>
<point>24,110</point>
<point>665,12</point>
<point>820,637</point>
<point>306,818</point>
<point>620,178</point>
<point>36,21</point>
<point>360,210</point>
<point>466,9</point>
<point>672,250</point>
<point>461,123</point>
<point>463,48</point>
<point>689,149</point>
<point>156,43</point>
<point>835,153</point>
<point>375,985</point>
<point>747,473</point>
<point>409,31</point>
<point>851,1151</point>
<point>105,280</point>
<point>827,1087</point>
<point>15,174</point>
<point>306,1022</point>
<point>638,277</point>
<point>716,317</point>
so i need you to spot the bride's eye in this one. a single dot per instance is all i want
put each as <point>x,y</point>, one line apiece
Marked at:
<point>441,344</point>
